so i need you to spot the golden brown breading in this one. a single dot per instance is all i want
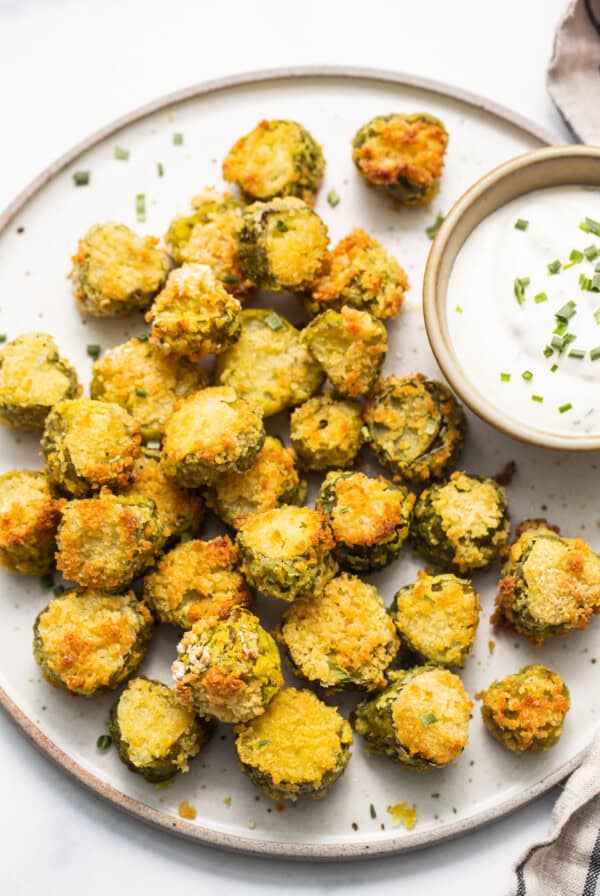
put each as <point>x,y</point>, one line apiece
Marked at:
<point>29,517</point>
<point>178,510</point>
<point>326,432</point>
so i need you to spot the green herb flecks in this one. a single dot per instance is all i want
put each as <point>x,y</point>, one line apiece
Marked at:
<point>554,368</point>
<point>521,224</point>
<point>143,336</point>
<point>3,337</point>
<point>429,718</point>
<point>177,139</point>
<point>548,351</point>
<point>459,309</point>
<point>274,321</point>
<point>575,257</point>
<point>93,351</point>
<point>81,178</point>
<point>567,311</point>
<point>519,288</point>
<point>140,392</point>
<point>565,407</point>
<point>540,297</point>
<point>432,230</point>
<point>588,225</point>
<point>591,252</point>
<point>230,278</point>
<point>505,377</point>
<point>365,433</point>
<point>333,198</point>
<point>104,743</point>
<point>282,226</point>
<point>121,154</point>
<point>264,743</point>
<point>527,375</point>
<point>538,398</point>
<point>372,811</point>
<point>186,536</point>
<point>577,353</point>
<point>595,353</point>
<point>140,206</point>
<point>554,266</point>
<point>160,169</point>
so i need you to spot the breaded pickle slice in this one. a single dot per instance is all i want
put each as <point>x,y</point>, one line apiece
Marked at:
<point>526,711</point>
<point>271,481</point>
<point>417,427</point>
<point>105,542</point>
<point>146,382</point>
<point>361,274</point>
<point>155,735</point>
<point>461,524</point>
<point>420,720</point>
<point>229,668</point>
<point>281,245</point>
<point>29,518</point>
<point>208,236</point>
<point>197,579</point>
<point>268,364</point>
<point>33,378</point>
<point>89,641</point>
<point>115,271</point>
<point>342,636</point>
<point>178,510</point>
<point>286,552</point>
<point>350,346</point>
<point>210,433</point>
<point>369,517</point>
<point>276,158</point>
<point>89,444</point>
<point>437,617</point>
<point>194,315</point>
<point>298,747</point>
<point>550,585</point>
<point>403,155</point>
<point>326,432</point>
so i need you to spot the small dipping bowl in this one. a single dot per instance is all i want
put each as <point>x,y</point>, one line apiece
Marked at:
<point>535,170</point>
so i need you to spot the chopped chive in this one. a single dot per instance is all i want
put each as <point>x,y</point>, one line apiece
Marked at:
<point>230,278</point>
<point>588,225</point>
<point>274,321</point>
<point>554,266</point>
<point>597,316</point>
<point>527,375</point>
<point>58,590</point>
<point>459,309</point>
<point>548,351</point>
<point>104,743</point>
<point>365,433</point>
<point>264,743</point>
<point>595,353</point>
<point>591,252</point>
<point>576,257</point>
<point>505,377</point>
<point>567,311</point>
<point>121,154</point>
<point>143,337</point>
<point>46,581</point>
<point>153,445</point>
<point>160,169</point>
<point>81,178</point>
<point>557,342</point>
<point>344,510</point>
<point>372,811</point>
<point>177,139</point>
<point>521,224</point>
<point>140,206</point>
<point>519,288</point>
<point>282,227</point>
<point>93,351</point>
<point>595,285</point>
<point>597,268</point>
<point>3,337</point>
<point>565,407</point>
<point>333,198</point>
<point>561,327</point>
<point>538,398</point>
<point>186,536</point>
<point>554,368</point>
<point>541,297</point>
<point>141,393</point>
<point>428,719</point>
<point>577,353</point>
<point>432,230</point>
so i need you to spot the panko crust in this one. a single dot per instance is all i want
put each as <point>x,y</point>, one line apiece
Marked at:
<point>277,158</point>
<point>268,364</point>
<point>89,641</point>
<point>349,346</point>
<point>228,669</point>
<point>550,585</point>
<point>286,552</point>
<point>210,433</point>
<point>326,432</point>
<point>437,618</point>
<point>146,382</point>
<point>420,720</point>
<point>89,444</point>
<point>402,155</point>
<point>340,637</point>
<point>33,378</point>
<point>155,735</point>
<point>369,517</point>
<point>417,427</point>
<point>526,711</point>
<point>106,541</point>
<point>194,315</point>
<point>29,518</point>
<point>298,747</point>
<point>361,274</point>
<point>271,481</point>
<point>461,524</point>
<point>195,580</point>
<point>115,271</point>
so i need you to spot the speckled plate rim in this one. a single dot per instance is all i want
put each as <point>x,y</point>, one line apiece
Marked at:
<point>251,846</point>
<point>528,171</point>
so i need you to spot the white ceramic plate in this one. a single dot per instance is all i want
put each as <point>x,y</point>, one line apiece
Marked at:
<point>40,233</point>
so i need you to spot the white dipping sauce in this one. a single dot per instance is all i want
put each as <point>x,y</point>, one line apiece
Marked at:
<point>493,334</point>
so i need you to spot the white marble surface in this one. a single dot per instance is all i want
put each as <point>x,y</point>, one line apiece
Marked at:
<point>68,66</point>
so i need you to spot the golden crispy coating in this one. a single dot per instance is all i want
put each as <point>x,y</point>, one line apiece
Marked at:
<point>89,444</point>
<point>342,636</point>
<point>105,542</point>
<point>146,382</point>
<point>361,274</point>
<point>194,315</point>
<point>89,642</point>
<point>526,711</point>
<point>298,747</point>
<point>33,378</point>
<point>211,433</point>
<point>115,271</point>
<point>178,510</point>
<point>402,154</point>
<point>197,579</point>
<point>271,481</point>
<point>29,517</point>
<point>326,432</point>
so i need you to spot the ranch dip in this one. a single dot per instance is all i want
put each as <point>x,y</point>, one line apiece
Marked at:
<point>523,309</point>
